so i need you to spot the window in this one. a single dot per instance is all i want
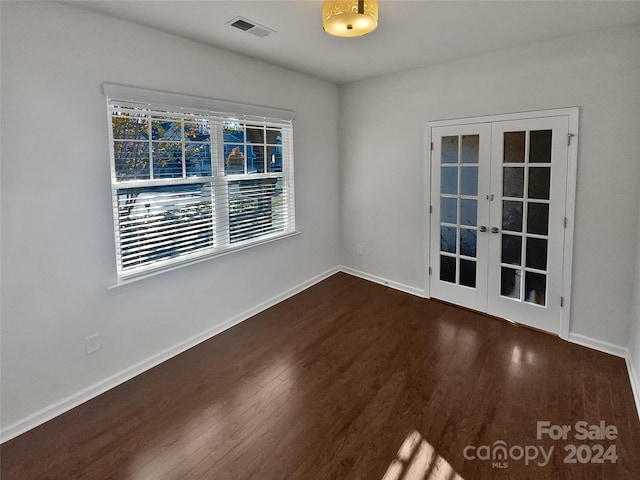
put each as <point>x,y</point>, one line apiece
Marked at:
<point>189,181</point>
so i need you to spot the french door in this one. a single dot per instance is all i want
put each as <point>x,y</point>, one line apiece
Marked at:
<point>498,217</point>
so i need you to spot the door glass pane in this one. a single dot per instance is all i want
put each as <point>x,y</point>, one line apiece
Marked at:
<point>539,182</point>
<point>537,253</point>
<point>510,283</point>
<point>468,240</point>
<point>512,215</point>
<point>470,148</point>
<point>535,286</point>
<point>511,249</point>
<point>513,182</point>
<point>448,210</point>
<point>514,147</point>
<point>540,146</point>
<point>468,212</point>
<point>449,150</point>
<point>449,180</point>
<point>448,269</point>
<point>448,239</point>
<point>467,273</point>
<point>538,218</point>
<point>459,178</point>
<point>469,181</point>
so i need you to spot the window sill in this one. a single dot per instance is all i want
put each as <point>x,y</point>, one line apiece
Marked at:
<point>126,283</point>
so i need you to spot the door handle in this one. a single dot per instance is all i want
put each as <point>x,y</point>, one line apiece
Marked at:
<point>483,228</point>
<point>494,230</point>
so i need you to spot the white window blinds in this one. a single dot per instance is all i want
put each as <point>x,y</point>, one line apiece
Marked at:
<point>190,181</point>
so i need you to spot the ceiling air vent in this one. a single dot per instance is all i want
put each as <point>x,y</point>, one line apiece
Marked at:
<point>250,26</point>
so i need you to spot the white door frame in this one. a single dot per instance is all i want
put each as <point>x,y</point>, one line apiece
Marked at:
<point>573,115</point>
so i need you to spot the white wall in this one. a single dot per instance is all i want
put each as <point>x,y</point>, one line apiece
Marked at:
<point>634,330</point>
<point>58,249</point>
<point>382,157</point>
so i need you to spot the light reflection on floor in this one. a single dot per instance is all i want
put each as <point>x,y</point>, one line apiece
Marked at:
<point>418,460</point>
<point>522,359</point>
<point>457,335</point>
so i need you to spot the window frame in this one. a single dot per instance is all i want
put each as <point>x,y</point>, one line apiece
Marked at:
<point>217,113</point>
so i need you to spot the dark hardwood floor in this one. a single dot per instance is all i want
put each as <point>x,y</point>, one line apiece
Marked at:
<point>349,380</point>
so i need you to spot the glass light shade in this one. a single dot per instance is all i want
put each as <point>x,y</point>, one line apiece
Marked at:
<point>345,19</point>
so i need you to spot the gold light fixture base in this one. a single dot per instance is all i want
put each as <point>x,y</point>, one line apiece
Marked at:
<point>349,18</point>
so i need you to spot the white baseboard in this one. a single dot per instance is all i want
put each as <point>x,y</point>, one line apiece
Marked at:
<point>617,351</point>
<point>383,281</point>
<point>606,347</point>
<point>635,382</point>
<point>75,399</point>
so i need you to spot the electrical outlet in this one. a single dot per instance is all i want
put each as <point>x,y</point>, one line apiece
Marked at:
<point>92,343</point>
<point>359,249</point>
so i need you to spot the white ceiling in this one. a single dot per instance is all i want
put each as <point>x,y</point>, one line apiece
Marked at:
<point>410,34</point>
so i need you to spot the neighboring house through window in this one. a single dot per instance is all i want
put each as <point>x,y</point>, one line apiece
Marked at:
<point>194,177</point>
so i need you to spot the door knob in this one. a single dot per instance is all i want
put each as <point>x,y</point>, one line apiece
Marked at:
<point>483,228</point>
<point>494,230</point>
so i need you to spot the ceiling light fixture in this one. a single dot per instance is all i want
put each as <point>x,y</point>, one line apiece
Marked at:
<point>350,18</point>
